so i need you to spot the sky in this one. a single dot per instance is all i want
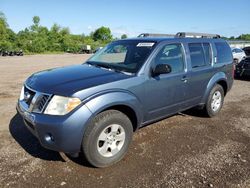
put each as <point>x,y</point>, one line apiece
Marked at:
<point>132,17</point>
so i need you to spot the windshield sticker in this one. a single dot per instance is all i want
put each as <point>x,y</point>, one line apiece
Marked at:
<point>145,44</point>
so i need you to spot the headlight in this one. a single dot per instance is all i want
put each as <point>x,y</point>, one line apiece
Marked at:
<point>61,105</point>
<point>22,94</point>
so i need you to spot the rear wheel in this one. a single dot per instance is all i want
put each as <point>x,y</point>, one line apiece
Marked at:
<point>215,101</point>
<point>107,138</point>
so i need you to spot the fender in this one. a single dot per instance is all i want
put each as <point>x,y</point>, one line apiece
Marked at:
<point>220,76</point>
<point>102,101</point>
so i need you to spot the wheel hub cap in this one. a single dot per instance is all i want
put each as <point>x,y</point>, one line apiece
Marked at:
<point>216,101</point>
<point>111,140</point>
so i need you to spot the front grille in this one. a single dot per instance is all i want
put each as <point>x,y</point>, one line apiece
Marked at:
<point>35,101</point>
<point>43,102</point>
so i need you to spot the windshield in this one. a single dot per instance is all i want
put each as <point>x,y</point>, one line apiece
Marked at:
<point>127,56</point>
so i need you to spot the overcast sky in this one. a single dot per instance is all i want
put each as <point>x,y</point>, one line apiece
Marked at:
<point>131,17</point>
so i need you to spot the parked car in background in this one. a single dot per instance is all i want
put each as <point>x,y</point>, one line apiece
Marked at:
<point>95,107</point>
<point>11,53</point>
<point>238,55</point>
<point>243,68</point>
<point>86,49</point>
<point>19,53</point>
<point>247,51</point>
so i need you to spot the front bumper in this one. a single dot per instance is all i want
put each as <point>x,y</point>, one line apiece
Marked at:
<point>58,133</point>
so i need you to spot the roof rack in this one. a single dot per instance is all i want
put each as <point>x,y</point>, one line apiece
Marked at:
<point>181,35</point>
<point>196,35</point>
<point>155,35</point>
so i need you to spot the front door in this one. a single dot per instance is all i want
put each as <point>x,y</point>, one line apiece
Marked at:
<point>165,92</point>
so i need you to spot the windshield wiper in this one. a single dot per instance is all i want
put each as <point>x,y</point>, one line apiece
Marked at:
<point>99,65</point>
<point>108,66</point>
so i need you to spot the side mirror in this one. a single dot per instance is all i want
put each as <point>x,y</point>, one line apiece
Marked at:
<point>161,69</point>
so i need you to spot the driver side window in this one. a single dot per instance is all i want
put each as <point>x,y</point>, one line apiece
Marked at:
<point>171,54</point>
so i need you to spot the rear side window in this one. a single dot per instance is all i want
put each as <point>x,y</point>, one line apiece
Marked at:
<point>207,52</point>
<point>224,54</point>
<point>197,55</point>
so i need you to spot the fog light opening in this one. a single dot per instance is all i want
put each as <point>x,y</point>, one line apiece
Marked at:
<point>49,138</point>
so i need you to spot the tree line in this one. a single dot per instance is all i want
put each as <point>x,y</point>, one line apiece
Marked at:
<point>40,39</point>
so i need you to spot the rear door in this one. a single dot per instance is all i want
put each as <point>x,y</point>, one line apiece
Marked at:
<point>200,72</point>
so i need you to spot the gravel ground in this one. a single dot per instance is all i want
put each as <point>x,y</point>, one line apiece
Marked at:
<point>185,150</point>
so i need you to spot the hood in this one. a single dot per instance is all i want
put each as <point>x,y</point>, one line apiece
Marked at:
<point>68,80</point>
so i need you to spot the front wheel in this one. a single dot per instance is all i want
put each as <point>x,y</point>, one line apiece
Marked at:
<point>107,138</point>
<point>215,101</point>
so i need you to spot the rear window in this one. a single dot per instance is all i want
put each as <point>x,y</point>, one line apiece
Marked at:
<point>208,53</point>
<point>197,55</point>
<point>224,54</point>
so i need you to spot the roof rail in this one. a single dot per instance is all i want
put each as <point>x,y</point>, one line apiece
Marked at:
<point>155,35</point>
<point>196,35</point>
<point>181,35</point>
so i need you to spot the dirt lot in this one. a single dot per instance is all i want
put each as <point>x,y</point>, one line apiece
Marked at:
<point>182,151</point>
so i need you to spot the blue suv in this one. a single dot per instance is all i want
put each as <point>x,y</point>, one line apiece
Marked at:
<point>95,107</point>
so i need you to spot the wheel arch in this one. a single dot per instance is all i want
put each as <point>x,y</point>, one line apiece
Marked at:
<point>219,78</point>
<point>124,102</point>
<point>128,111</point>
<point>224,85</point>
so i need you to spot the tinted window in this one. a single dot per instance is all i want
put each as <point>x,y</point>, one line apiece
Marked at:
<point>197,55</point>
<point>207,52</point>
<point>171,54</point>
<point>224,54</point>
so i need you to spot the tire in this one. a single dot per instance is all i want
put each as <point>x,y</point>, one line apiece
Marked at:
<point>215,101</point>
<point>107,138</point>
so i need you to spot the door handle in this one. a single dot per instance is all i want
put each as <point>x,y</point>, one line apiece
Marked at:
<point>184,79</point>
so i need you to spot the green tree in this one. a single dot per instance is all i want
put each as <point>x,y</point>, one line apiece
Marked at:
<point>7,36</point>
<point>35,26</point>
<point>244,37</point>
<point>102,34</point>
<point>124,36</point>
<point>3,25</point>
<point>54,38</point>
<point>24,40</point>
<point>36,20</point>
